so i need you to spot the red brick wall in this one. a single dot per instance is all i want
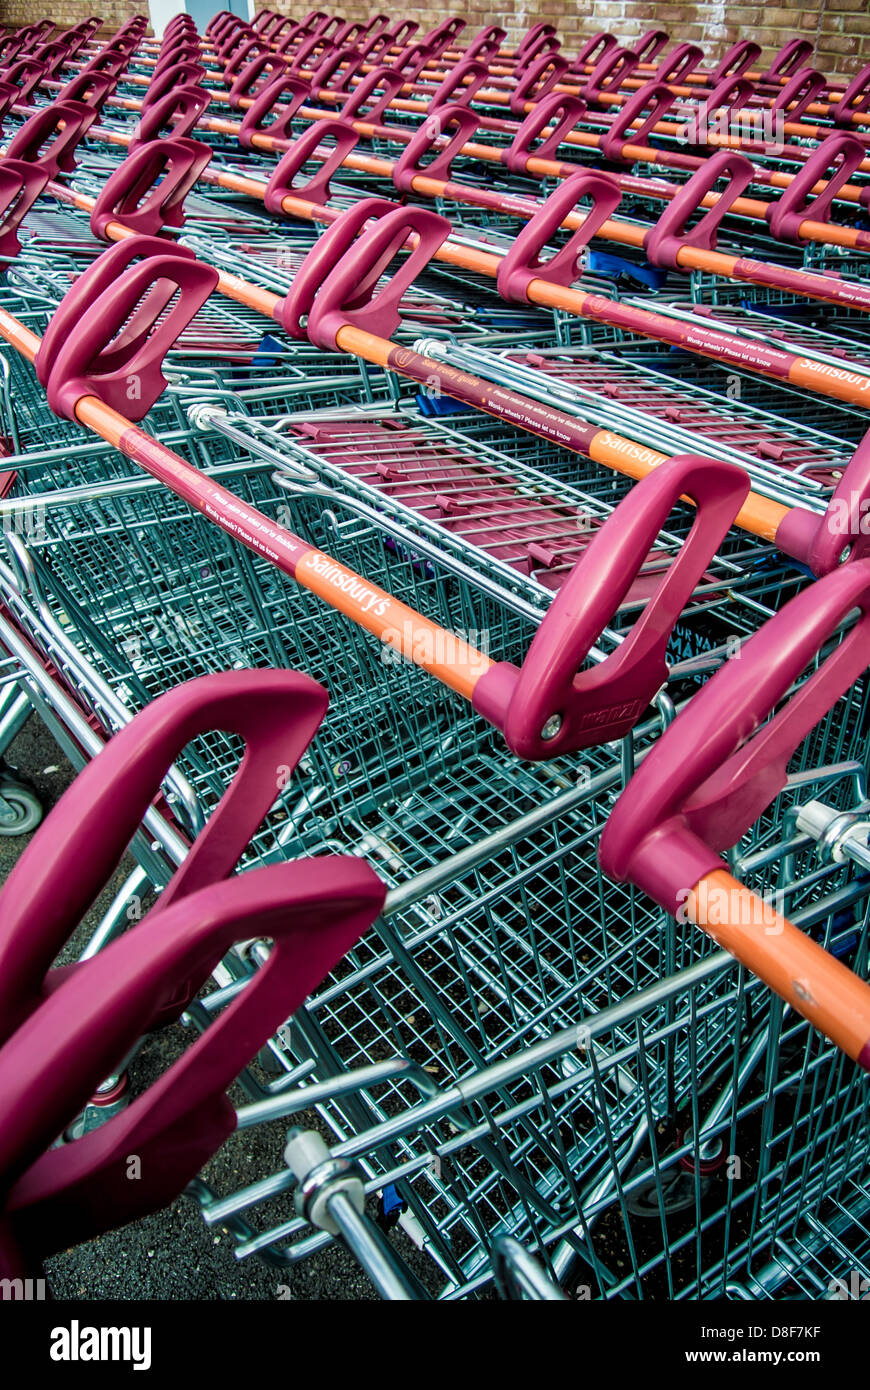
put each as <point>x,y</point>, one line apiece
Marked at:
<point>839,29</point>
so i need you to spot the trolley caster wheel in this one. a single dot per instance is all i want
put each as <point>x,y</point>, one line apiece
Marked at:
<point>675,1193</point>
<point>20,809</point>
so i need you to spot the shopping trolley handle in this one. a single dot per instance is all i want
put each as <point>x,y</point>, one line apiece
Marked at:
<point>179,50</point>
<point>254,77</point>
<point>20,185</point>
<point>444,132</point>
<point>799,92</point>
<point>835,160</point>
<point>275,713</point>
<point>106,340</point>
<point>843,533</point>
<point>547,708</point>
<point>89,88</point>
<point>737,60</point>
<point>179,75</point>
<point>242,56</point>
<point>594,49</point>
<point>656,99</point>
<point>335,139</point>
<point>8,95</point>
<point>677,64</point>
<point>608,75</point>
<point>486,45</point>
<point>178,112</point>
<point>107,61</point>
<point>51,137</point>
<point>337,70</point>
<point>537,80</point>
<point>337,284</point>
<point>147,190</point>
<point>523,264</point>
<point>460,85</point>
<point>789,60</point>
<point>719,766</point>
<point>664,241</point>
<point>855,100</point>
<point>558,114</point>
<point>532,38</point>
<point>383,79</point>
<point>283,97</point>
<point>543,46</point>
<point>25,76</point>
<point>313,911</point>
<point>53,55</point>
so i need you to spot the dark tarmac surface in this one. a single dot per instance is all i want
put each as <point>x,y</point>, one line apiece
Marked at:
<point>173,1255</point>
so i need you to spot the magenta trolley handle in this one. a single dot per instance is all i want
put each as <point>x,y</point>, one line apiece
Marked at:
<point>179,111</point>
<point>402,32</point>
<point>8,95</point>
<point>664,241</point>
<point>557,112</point>
<point>337,71</point>
<point>732,93</point>
<point>316,189</point>
<point>537,80</point>
<point>522,264</point>
<point>236,39</point>
<point>656,99</point>
<point>544,46</point>
<point>678,63</point>
<point>42,141</point>
<point>242,56</point>
<point>445,131</point>
<point>286,93</point>
<point>594,49</point>
<point>460,85</point>
<point>412,60</point>
<point>175,163</point>
<point>836,159</point>
<point>85,352</point>
<point>324,255</point>
<point>299,59</point>
<point>387,80</point>
<point>54,56</point>
<point>532,36</point>
<point>314,911</point>
<point>487,43</point>
<point>254,78</point>
<point>799,92</point>
<point>89,88</point>
<point>607,700</point>
<point>351,295</point>
<point>737,60</point>
<point>26,75</point>
<point>855,100</point>
<point>180,75</point>
<point>181,52</point>
<point>650,44</point>
<point>276,713</point>
<point>609,74</point>
<point>20,185</point>
<point>823,543</point>
<point>106,61</point>
<point>716,769</point>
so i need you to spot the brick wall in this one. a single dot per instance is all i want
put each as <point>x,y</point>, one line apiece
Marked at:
<point>839,29</point>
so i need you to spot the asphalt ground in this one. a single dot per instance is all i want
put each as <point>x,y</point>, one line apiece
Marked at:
<point>172,1254</point>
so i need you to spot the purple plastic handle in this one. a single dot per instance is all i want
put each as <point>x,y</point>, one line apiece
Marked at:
<point>42,141</point>
<point>522,264</point>
<point>351,295</point>
<point>799,92</point>
<point>840,153</point>
<point>609,74</point>
<point>656,99</point>
<point>663,242</point>
<point>180,75</point>
<point>390,84</point>
<point>299,60</point>
<point>789,60</point>
<point>487,44</point>
<point>26,75</point>
<point>435,134</point>
<point>543,45</point>
<point>147,191</point>
<point>337,71</point>
<point>532,36</point>
<point>8,96</point>
<point>679,63</point>
<point>297,89</point>
<point>179,112</point>
<point>79,356</point>
<point>843,532</point>
<point>89,88</point>
<point>460,85</point>
<point>255,77</point>
<point>53,55</point>
<point>413,59</point>
<point>607,700</point>
<point>737,60</point>
<point>181,52</point>
<point>242,56</point>
<point>90,1015</point>
<point>715,770</point>
<point>651,44</point>
<point>316,188</point>
<point>537,80</point>
<point>557,112</point>
<point>855,100</point>
<point>594,49</point>
<point>20,185</point>
<point>106,61</point>
<point>732,93</point>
